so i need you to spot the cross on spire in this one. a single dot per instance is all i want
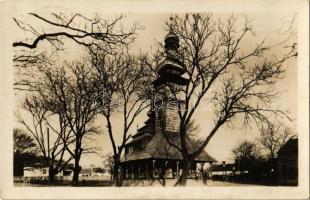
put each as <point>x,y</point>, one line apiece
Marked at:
<point>170,23</point>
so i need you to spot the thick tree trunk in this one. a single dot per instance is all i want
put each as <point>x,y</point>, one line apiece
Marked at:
<point>163,175</point>
<point>117,175</point>
<point>75,179</point>
<point>51,175</point>
<point>186,165</point>
<point>76,172</point>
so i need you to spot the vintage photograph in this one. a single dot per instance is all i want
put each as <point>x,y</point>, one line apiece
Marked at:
<point>154,99</point>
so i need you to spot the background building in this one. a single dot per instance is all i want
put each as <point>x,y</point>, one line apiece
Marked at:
<point>288,163</point>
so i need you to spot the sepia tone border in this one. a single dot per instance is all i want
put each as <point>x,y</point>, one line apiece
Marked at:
<point>8,191</point>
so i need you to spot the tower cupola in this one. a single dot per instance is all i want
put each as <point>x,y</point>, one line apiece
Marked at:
<point>171,41</point>
<point>171,68</point>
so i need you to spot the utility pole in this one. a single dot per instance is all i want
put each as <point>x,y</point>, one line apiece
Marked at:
<point>48,144</point>
<point>50,168</point>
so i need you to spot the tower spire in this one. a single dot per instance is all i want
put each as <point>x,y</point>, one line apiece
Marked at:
<point>170,23</point>
<point>171,68</point>
<point>171,39</point>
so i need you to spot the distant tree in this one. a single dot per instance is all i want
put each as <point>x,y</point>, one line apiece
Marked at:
<point>109,164</point>
<point>246,150</point>
<point>273,137</point>
<point>24,148</point>
<point>23,143</point>
<point>247,155</point>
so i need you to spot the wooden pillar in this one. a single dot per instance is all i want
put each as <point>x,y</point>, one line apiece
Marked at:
<point>153,168</point>
<point>203,176</point>
<point>178,175</point>
<point>201,170</point>
<point>210,170</point>
<point>139,171</point>
<point>146,171</point>
<point>132,173</point>
<point>165,169</point>
<point>126,171</point>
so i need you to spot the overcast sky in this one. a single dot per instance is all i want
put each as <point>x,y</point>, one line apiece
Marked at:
<point>266,27</point>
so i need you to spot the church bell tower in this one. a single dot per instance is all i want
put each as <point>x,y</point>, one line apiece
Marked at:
<point>169,83</point>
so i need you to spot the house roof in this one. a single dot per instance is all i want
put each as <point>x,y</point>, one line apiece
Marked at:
<point>69,166</point>
<point>218,168</point>
<point>140,137</point>
<point>86,171</point>
<point>148,127</point>
<point>98,170</point>
<point>290,146</point>
<point>159,148</point>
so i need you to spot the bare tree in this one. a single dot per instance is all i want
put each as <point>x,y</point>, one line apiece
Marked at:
<point>123,79</point>
<point>239,79</point>
<point>246,153</point>
<point>92,33</point>
<point>246,150</point>
<point>66,94</point>
<point>74,88</point>
<point>273,137</point>
<point>51,145</point>
<point>174,147</point>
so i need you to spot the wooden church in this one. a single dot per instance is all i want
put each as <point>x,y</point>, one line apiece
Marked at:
<point>148,155</point>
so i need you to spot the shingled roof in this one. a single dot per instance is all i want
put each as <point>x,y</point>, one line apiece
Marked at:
<point>159,148</point>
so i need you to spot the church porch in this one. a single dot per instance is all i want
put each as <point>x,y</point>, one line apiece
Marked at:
<point>159,169</point>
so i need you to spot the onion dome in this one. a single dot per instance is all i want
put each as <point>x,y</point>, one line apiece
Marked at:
<point>171,68</point>
<point>171,64</point>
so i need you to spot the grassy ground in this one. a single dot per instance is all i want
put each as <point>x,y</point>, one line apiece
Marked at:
<point>88,183</point>
<point>190,182</point>
<point>135,183</point>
